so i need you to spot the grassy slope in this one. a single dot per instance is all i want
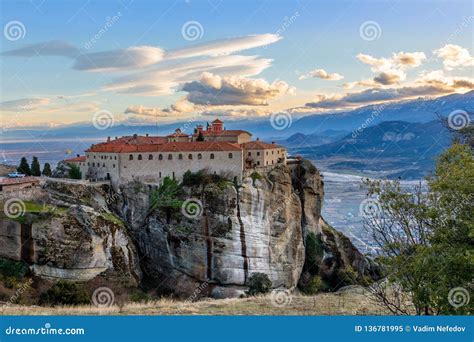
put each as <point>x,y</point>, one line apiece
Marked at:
<point>321,304</point>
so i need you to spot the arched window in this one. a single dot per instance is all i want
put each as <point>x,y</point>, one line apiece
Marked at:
<point>230,155</point>
<point>103,165</point>
<point>170,156</point>
<point>160,157</point>
<point>199,156</point>
<point>150,157</point>
<point>93,164</point>
<point>130,157</point>
<point>212,155</point>
<point>190,156</point>
<point>180,156</point>
<point>139,157</point>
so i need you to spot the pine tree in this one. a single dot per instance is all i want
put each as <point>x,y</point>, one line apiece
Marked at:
<point>75,172</point>
<point>47,170</point>
<point>35,167</point>
<point>24,167</point>
<point>200,137</point>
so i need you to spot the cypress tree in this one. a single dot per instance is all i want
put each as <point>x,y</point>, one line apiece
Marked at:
<point>47,170</point>
<point>24,167</point>
<point>35,167</point>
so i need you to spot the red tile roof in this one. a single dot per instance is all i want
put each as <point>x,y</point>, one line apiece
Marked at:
<point>166,147</point>
<point>217,121</point>
<point>11,181</point>
<point>258,145</point>
<point>75,160</point>
<point>178,135</point>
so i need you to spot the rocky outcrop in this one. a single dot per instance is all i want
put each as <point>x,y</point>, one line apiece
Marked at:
<point>74,244</point>
<point>203,239</point>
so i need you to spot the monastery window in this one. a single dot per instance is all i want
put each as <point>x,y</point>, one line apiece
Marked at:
<point>94,157</point>
<point>180,156</point>
<point>267,153</point>
<point>258,153</point>
<point>130,157</point>
<point>250,153</point>
<point>150,157</point>
<point>93,164</point>
<point>103,165</point>
<point>258,163</point>
<point>160,157</point>
<point>88,164</point>
<point>170,156</point>
<point>113,166</point>
<point>139,157</point>
<point>160,174</point>
<point>115,157</point>
<point>212,156</point>
<point>190,156</point>
<point>272,151</point>
<point>199,156</point>
<point>230,155</point>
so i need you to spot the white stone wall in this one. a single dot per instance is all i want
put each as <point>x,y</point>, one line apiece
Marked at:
<point>102,166</point>
<point>155,170</point>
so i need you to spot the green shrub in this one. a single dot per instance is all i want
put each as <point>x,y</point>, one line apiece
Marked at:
<point>75,172</point>
<point>314,286</point>
<point>255,175</point>
<point>139,297</point>
<point>13,269</point>
<point>65,293</point>
<point>258,283</point>
<point>314,252</point>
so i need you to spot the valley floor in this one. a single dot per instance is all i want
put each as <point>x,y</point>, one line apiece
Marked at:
<point>346,303</point>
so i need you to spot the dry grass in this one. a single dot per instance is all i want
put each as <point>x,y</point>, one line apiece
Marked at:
<point>321,304</point>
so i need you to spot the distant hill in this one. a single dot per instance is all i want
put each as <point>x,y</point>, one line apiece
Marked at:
<point>300,139</point>
<point>419,110</point>
<point>392,148</point>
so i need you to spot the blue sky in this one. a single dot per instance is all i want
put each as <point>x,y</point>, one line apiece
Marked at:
<point>310,56</point>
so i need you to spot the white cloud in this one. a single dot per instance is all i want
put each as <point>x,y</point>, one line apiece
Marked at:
<point>233,90</point>
<point>118,60</point>
<point>225,46</point>
<point>454,56</point>
<point>24,105</point>
<point>323,74</point>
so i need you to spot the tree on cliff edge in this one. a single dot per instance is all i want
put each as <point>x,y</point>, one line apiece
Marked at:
<point>47,170</point>
<point>427,238</point>
<point>24,167</point>
<point>35,167</point>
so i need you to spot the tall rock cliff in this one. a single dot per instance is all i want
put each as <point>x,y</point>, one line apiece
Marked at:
<point>213,233</point>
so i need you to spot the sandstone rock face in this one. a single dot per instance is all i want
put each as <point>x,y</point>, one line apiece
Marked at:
<point>262,224</point>
<point>76,245</point>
